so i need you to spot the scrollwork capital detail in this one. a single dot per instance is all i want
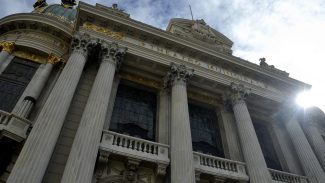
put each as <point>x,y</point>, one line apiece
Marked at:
<point>82,43</point>
<point>112,52</point>
<point>239,92</point>
<point>177,73</point>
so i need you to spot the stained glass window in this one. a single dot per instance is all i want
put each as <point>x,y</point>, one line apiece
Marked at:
<point>267,147</point>
<point>134,112</point>
<point>206,136</point>
<point>14,80</point>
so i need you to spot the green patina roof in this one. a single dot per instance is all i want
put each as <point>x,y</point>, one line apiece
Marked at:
<point>66,14</point>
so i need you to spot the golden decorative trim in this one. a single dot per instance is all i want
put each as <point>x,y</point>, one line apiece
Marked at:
<point>52,59</point>
<point>102,30</point>
<point>30,56</point>
<point>141,80</point>
<point>8,46</point>
<point>203,98</point>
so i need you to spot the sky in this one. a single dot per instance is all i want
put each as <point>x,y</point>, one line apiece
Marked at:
<point>290,34</point>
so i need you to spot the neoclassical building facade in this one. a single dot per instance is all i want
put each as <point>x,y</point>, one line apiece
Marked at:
<point>88,94</point>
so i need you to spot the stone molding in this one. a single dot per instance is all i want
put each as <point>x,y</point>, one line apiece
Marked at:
<point>8,46</point>
<point>53,59</point>
<point>113,53</point>
<point>177,74</point>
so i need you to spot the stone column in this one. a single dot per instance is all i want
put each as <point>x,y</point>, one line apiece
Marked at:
<point>36,153</point>
<point>309,162</point>
<point>7,48</point>
<point>286,147</point>
<point>37,85</point>
<point>112,98</point>
<point>232,141</point>
<point>164,116</point>
<point>314,137</point>
<point>81,163</point>
<point>255,162</point>
<point>182,165</point>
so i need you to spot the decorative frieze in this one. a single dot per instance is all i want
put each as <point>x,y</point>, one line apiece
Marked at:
<point>30,56</point>
<point>102,30</point>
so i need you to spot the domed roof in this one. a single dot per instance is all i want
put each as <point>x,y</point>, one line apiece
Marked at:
<point>59,11</point>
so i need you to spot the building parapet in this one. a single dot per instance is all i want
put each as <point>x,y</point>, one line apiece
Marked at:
<point>280,176</point>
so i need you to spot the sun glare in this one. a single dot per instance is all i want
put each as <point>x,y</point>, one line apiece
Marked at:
<point>305,99</point>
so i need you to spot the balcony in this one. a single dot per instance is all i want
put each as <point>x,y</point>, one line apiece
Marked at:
<point>133,147</point>
<point>220,167</point>
<point>279,177</point>
<point>13,126</point>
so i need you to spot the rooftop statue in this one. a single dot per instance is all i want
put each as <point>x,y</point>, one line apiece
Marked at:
<point>68,3</point>
<point>264,65</point>
<point>40,4</point>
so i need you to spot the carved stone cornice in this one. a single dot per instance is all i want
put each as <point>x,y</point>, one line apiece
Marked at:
<point>8,46</point>
<point>239,92</point>
<point>111,52</point>
<point>82,43</point>
<point>177,73</point>
<point>52,59</point>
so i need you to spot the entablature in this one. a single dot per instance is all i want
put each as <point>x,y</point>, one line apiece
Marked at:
<point>168,42</point>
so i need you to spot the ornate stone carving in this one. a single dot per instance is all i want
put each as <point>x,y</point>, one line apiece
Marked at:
<point>161,170</point>
<point>239,92</point>
<point>82,43</point>
<point>30,56</point>
<point>177,73</point>
<point>264,65</point>
<point>52,59</point>
<point>8,46</point>
<point>113,53</point>
<point>68,3</point>
<point>102,30</point>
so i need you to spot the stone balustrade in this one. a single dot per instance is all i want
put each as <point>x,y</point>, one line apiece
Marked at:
<point>280,176</point>
<point>134,147</point>
<point>16,129</point>
<point>220,167</point>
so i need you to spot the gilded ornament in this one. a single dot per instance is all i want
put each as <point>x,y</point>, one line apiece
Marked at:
<point>105,31</point>
<point>52,59</point>
<point>8,46</point>
<point>30,56</point>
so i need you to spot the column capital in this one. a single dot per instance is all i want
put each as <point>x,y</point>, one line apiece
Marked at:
<point>82,42</point>
<point>112,52</point>
<point>177,73</point>
<point>53,59</point>
<point>239,92</point>
<point>8,46</point>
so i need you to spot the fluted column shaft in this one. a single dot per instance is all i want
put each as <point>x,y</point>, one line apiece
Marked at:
<point>36,153</point>
<point>286,148</point>
<point>182,165</point>
<point>7,48</point>
<point>253,155</point>
<point>164,116</point>
<point>81,163</point>
<point>39,80</point>
<point>309,162</point>
<point>316,140</point>
<point>228,121</point>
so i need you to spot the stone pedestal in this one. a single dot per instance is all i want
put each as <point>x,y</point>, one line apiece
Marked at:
<point>255,162</point>
<point>36,153</point>
<point>7,48</point>
<point>309,162</point>
<point>182,166</point>
<point>82,158</point>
